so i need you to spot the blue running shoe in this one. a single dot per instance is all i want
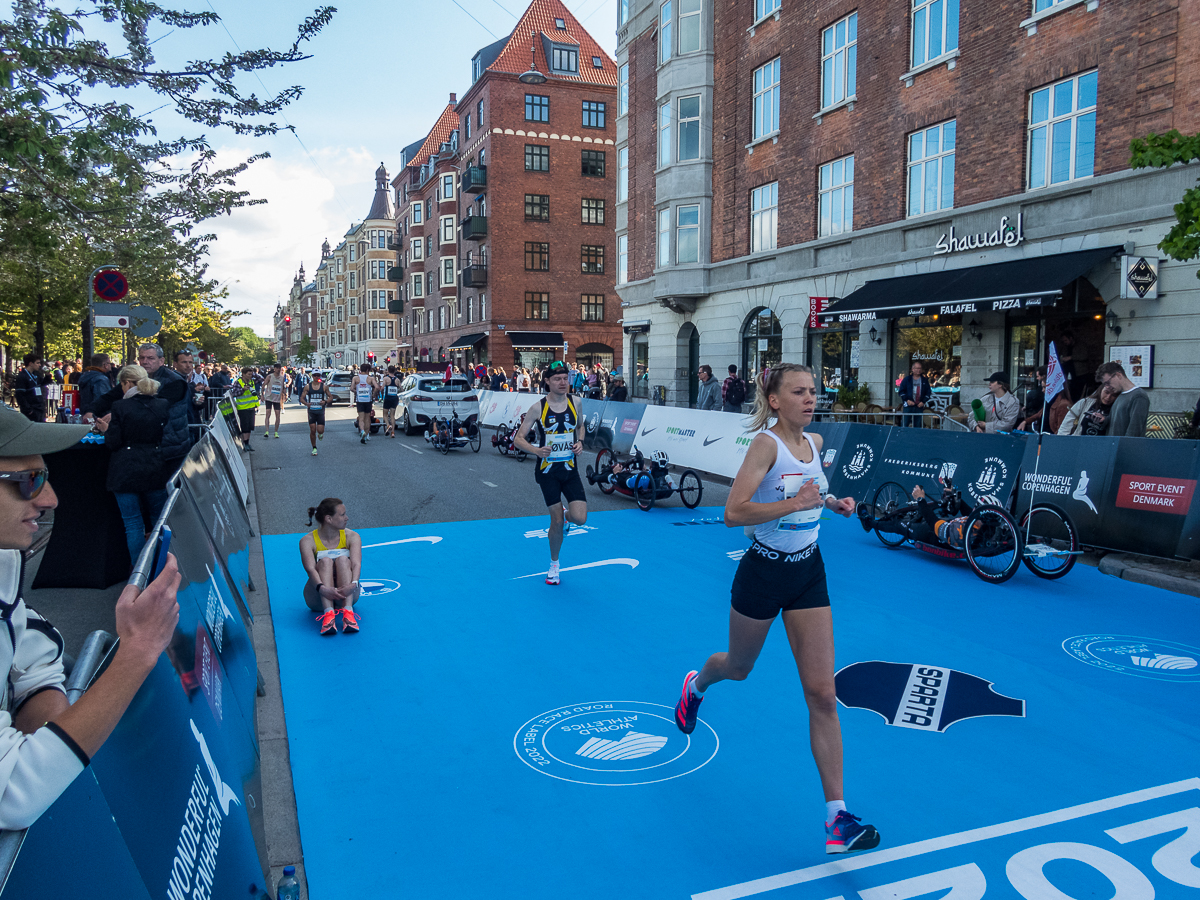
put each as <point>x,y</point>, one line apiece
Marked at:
<point>845,835</point>
<point>688,705</point>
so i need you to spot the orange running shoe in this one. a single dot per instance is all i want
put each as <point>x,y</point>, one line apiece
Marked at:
<point>327,621</point>
<point>349,621</point>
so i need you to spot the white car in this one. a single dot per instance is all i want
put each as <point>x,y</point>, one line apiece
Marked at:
<point>426,395</point>
<point>338,385</point>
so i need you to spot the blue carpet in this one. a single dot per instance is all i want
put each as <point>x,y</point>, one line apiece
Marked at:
<point>487,735</point>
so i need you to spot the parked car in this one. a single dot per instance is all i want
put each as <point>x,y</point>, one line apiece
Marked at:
<point>424,396</point>
<point>338,385</point>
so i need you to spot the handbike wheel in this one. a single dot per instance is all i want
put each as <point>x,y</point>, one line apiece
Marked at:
<point>992,544</point>
<point>604,459</point>
<point>644,492</point>
<point>502,440</point>
<point>1051,542</point>
<point>476,437</point>
<point>691,489</point>
<point>888,499</point>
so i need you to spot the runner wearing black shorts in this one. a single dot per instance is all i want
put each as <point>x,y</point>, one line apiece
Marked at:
<point>780,491</point>
<point>559,429</point>
<point>315,397</point>
<point>390,387</point>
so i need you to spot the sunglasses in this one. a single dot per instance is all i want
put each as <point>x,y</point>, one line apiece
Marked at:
<point>30,482</point>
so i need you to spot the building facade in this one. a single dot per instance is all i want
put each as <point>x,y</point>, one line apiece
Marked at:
<point>860,187</point>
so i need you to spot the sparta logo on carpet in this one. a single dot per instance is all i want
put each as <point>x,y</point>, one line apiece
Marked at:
<point>925,698</point>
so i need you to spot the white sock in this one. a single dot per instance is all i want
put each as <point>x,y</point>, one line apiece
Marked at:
<point>832,808</point>
<point>693,688</point>
<point>554,565</point>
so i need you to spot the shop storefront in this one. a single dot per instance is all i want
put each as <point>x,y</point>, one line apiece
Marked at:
<point>535,348</point>
<point>834,353</point>
<point>637,376</point>
<point>469,350</point>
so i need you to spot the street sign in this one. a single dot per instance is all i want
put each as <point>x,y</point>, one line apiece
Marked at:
<point>110,309</point>
<point>145,321</point>
<point>337,355</point>
<point>112,321</point>
<point>110,284</point>
<point>192,348</point>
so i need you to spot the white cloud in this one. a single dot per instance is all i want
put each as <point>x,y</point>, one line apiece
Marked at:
<point>259,248</point>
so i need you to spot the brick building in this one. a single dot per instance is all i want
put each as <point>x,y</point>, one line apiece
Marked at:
<point>927,180</point>
<point>296,319</point>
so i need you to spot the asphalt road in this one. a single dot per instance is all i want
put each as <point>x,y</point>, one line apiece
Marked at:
<point>401,480</point>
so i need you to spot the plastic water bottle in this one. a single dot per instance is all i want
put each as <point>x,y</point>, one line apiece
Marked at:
<point>288,887</point>
<point>76,418</point>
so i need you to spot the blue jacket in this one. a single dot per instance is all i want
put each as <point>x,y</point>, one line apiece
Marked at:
<point>906,391</point>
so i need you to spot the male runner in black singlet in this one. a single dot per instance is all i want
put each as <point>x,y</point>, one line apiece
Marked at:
<point>316,398</point>
<point>559,428</point>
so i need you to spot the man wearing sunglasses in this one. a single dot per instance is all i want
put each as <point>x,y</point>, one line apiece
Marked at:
<point>173,388</point>
<point>45,742</point>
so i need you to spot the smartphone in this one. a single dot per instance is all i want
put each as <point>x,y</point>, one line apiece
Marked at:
<point>160,556</point>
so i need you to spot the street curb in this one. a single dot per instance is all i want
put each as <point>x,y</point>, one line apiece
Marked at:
<point>1132,568</point>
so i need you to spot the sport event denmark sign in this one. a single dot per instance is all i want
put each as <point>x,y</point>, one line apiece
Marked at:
<point>1169,495</point>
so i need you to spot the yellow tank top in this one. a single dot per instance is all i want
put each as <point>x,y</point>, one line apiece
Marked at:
<point>331,552</point>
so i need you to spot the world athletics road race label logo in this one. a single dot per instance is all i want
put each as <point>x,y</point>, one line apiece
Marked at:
<point>614,743</point>
<point>1143,657</point>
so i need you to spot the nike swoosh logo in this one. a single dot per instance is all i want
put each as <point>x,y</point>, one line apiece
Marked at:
<point>647,431</point>
<point>432,540</point>
<point>713,441</point>
<point>622,561</point>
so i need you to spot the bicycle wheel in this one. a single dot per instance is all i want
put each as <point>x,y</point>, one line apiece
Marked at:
<point>691,489</point>
<point>604,459</point>
<point>502,440</point>
<point>475,436</point>
<point>644,492</point>
<point>890,498</point>
<point>1051,542</point>
<point>993,544</point>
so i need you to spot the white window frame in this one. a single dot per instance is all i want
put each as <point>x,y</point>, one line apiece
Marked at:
<point>664,134</point>
<point>686,14</point>
<point>418,286</point>
<point>764,217</point>
<point>1051,125</point>
<point>935,165</point>
<point>447,229</point>
<point>664,237</point>
<point>766,100</point>
<point>418,210</point>
<point>839,62</point>
<point>623,88</point>
<point>622,259</point>
<point>764,8</point>
<point>448,271</point>
<point>666,34</point>
<point>418,250</point>
<point>924,29</point>
<point>687,122</point>
<point>623,175</point>
<point>839,193</point>
<point>448,186</point>
<point>683,230</point>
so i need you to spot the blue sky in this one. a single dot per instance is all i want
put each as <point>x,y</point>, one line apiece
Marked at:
<point>380,75</point>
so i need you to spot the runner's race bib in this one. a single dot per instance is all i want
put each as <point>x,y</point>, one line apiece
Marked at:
<point>316,401</point>
<point>560,447</point>
<point>275,391</point>
<point>364,393</point>
<point>393,391</point>
<point>803,519</point>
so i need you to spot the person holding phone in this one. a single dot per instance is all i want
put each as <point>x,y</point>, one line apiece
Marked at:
<point>779,494</point>
<point>44,741</point>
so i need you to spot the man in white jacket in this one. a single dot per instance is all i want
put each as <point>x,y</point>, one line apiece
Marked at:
<point>45,742</point>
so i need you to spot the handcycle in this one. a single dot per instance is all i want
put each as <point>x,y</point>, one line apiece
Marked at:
<point>992,542</point>
<point>446,434</point>
<point>644,480</point>
<point>505,439</point>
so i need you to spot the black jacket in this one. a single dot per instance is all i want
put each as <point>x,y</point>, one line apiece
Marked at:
<point>93,384</point>
<point>135,436</point>
<point>31,391</point>
<point>908,392</point>
<point>176,439</point>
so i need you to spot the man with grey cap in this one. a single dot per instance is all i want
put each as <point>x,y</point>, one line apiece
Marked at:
<point>45,742</point>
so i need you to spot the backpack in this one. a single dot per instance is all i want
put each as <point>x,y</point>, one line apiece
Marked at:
<point>735,394</point>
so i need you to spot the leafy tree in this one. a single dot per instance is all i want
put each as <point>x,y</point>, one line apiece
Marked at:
<point>1160,151</point>
<point>306,352</point>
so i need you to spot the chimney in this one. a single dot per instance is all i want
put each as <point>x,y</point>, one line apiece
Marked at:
<point>454,98</point>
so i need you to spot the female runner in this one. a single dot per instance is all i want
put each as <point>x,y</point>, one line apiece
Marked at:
<point>332,557</point>
<point>781,491</point>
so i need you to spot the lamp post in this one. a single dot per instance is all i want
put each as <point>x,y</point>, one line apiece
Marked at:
<point>533,76</point>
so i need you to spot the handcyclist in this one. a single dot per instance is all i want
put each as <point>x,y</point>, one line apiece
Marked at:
<point>780,490</point>
<point>273,391</point>
<point>559,429</point>
<point>332,557</point>
<point>943,522</point>
<point>365,388</point>
<point>390,388</point>
<point>315,398</point>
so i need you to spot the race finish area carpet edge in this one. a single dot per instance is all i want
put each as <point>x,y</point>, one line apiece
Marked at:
<point>488,735</point>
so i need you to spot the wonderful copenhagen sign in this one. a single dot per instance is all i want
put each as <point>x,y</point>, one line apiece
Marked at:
<point>1007,235</point>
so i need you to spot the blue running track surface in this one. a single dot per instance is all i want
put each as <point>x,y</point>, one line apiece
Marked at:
<point>490,736</point>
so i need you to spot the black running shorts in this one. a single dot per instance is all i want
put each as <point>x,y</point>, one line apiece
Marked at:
<point>272,404</point>
<point>316,417</point>
<point>768,581</point>
<point>365,407</point>
<point>560,481</point>
<point>391,402</point>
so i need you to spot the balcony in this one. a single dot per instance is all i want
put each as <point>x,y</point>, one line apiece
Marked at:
<point>395,244</point>
<point>474,179</point>
<point>397,305</point>
<point>395,273</point>
<point>473,277</point>
<point>474,228</point>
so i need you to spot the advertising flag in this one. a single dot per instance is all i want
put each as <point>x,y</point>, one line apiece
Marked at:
<point>1055,379</point>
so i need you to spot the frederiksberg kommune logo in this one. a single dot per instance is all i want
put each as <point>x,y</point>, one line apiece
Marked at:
<point>613,743</point>
<point>1143,657</point>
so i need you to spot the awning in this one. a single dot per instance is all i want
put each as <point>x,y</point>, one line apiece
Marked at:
<point>536,340</point>
<point>467,340</point>
<point>1022,283</point>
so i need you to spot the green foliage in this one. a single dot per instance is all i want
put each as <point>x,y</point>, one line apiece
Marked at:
<point>1160,151</point>
<point>850,397</point>
<point>306,352</point>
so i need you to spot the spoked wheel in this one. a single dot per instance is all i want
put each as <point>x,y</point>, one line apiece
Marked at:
<point>992,544</point>
<point>1051,542</point>
<point>502,440</point>
<point>604,459</point>
<point>475,436</point>
<point>691,489</point>
<point>888,499</point>
<point>644,492</point>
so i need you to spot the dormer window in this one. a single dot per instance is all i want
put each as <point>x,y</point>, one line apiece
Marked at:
<point>560,24</point>
<point>564,60</point>
<point>597,63</point>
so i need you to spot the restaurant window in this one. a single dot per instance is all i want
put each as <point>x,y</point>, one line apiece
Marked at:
<point>833,352</point>
<point>640,349</point>
<point>762,346</point>
<point>937,345</point>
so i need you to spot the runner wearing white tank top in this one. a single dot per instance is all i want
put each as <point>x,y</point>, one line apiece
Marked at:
<point>779,494</point>
<point>365,388</point>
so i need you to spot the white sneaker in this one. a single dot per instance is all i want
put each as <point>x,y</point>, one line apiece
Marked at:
<point>552,575</point>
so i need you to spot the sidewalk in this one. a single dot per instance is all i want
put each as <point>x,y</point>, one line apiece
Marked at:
<point>1178,575</point>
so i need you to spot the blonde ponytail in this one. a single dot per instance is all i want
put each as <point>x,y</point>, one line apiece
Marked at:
<point>766,383</point>
<point>137,375</point>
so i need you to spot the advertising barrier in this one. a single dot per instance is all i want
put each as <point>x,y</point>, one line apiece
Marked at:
<point>227,438</point>
<point>983,466</point>
<point>612,424</point>
<point>503,407</point>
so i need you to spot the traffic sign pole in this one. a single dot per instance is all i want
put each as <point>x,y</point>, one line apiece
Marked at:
<point>89,331</point>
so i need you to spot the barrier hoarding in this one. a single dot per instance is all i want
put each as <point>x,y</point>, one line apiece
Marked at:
<point>224,437</point>
<point>694,438</point>
<point>503,407</point>
<point>615,426</point>
<point>983,466</point>
<point>1073,474</point>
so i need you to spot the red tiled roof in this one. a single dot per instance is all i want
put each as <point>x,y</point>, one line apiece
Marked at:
<point>539,18</point>
<point>446,123</point>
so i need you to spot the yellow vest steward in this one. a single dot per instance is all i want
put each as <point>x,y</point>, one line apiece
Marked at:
<point>245,398</point>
